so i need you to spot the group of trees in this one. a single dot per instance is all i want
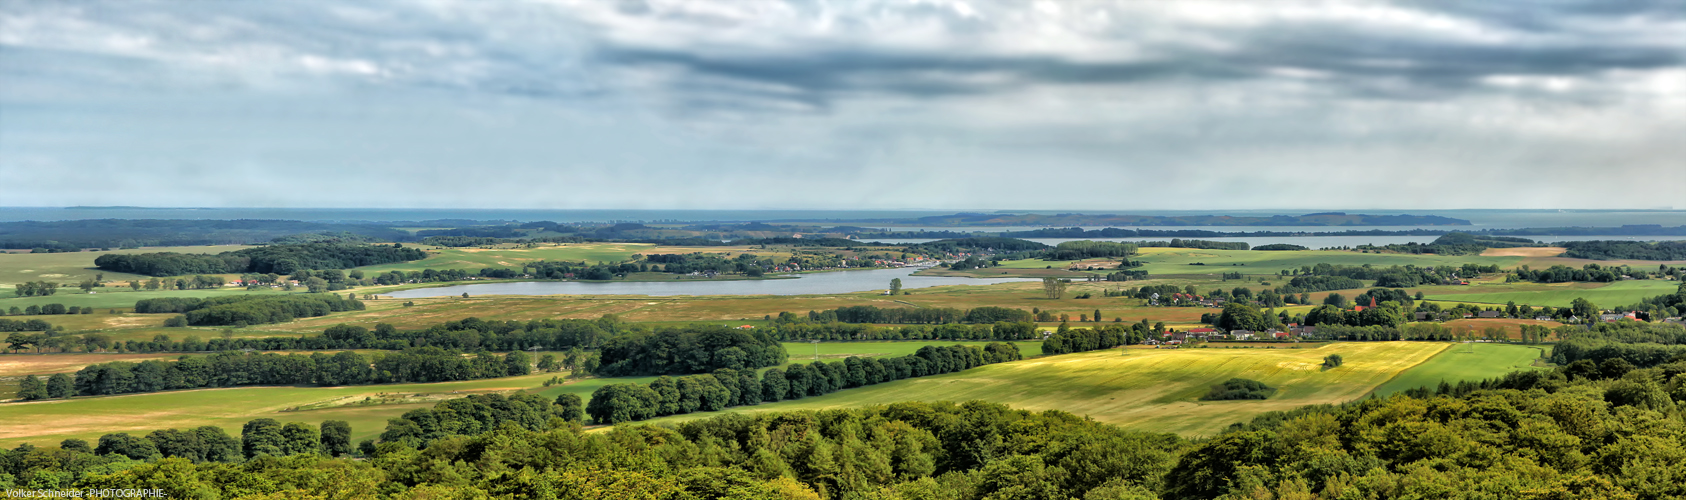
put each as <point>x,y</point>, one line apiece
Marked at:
<point>1066,340</point>
<point>28,325</point>
<point>44,309</point>
<point>240,310</point>
<point>1564,274</point>
<point>36,288</point>
<point>1086,249</point>
<point>922,315</point>
<point>805,330</point>
<point>617,403</point>
<point>477,414</point>
<point>1198,244</point>
<point>230,369</point>
<point>278,259</point>
<point>689,349</point>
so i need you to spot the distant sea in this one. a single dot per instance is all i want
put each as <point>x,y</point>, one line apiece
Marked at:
<point>1481,219</point>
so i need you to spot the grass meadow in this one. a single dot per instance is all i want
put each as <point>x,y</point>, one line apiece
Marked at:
<point>1469,361</point>
<point>1554,294</point>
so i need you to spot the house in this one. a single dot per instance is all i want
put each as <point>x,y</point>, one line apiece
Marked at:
<point>1491,314</point>
<point>1542,318</point>
<point>1280,334</point>
<point>1241,334</point>
<point>1609,318</point>
<point>1420,316</point>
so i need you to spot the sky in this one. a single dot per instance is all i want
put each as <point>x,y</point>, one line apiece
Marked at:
<point>842,104</point>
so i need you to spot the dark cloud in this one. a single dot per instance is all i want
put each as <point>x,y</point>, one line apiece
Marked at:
<point>935,103</point>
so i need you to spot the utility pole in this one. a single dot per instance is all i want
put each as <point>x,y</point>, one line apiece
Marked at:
<point>816,343</point>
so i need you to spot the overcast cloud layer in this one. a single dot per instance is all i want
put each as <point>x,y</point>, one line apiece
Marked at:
<point>845,104</point>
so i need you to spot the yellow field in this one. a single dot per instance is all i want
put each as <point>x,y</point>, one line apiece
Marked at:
<point>1147,389</point>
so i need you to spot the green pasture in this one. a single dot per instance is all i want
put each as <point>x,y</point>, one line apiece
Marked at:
<point>1145,389</point>
<point>72,267</point>
<point>1555,294</point>
<point>1471,361</point>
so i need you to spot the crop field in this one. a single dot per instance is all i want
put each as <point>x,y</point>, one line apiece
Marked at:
<point>1147,389</point>
<point>87,418</point>
<point>1470,361</point>
<point>1555,294</point>
<point>71,267</point>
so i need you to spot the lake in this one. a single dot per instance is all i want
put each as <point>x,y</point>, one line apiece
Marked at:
<point>807,284</point>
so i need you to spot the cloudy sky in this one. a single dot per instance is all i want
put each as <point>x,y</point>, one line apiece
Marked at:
<point>845,104</point>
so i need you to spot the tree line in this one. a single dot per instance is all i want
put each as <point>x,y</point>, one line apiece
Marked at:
<point>241,310</point>
<point>278,259</point>
<point>792,329</point>
<point>233,369</point>
<point>913,315</point>
<point>618,403</point>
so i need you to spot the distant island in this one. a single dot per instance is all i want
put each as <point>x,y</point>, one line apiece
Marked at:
<point>1074,219</point>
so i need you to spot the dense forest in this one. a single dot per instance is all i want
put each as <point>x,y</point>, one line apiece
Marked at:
<point>277,259</point>
<point>689,349</point>
<point>1617,249</point>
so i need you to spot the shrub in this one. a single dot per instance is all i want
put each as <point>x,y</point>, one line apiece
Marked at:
<point>1239,388</point>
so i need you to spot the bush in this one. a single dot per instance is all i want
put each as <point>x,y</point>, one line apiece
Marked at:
<point>1331,361</point>
<point>1239,388</point>
<point>176,322</point>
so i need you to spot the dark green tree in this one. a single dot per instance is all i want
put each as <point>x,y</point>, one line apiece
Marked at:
<point>31,389</point>
<point>336,438</point>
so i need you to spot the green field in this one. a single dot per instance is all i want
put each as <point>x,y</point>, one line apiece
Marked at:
<point>1472,361</point>
<point>1558,294</point>
<point>1146,389</point>
<point>72,267</point>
